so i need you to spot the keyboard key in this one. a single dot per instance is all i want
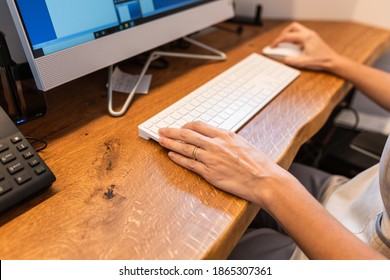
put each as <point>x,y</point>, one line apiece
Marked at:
<point>16,139</point>
<point>15,168</point>
<point>33,162</point>
<point>21,147</point>
<point>39,170</point>
<point>4,188</point>
<point>236,117</point>
<point>28,154</point>
<point>3,147</point>
<point>22,178</point>
<point>7,158</point>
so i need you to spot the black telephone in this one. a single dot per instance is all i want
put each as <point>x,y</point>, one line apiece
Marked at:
<point>22,171</point>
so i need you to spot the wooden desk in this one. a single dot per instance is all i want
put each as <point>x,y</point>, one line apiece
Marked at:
<point>158,209</point>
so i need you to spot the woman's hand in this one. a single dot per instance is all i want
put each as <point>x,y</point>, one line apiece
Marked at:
<point>316,54</point>
<point>225,160</point>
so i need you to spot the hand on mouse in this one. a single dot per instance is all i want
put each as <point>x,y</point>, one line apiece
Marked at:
<point>282,50</point>
<point>316,54</point>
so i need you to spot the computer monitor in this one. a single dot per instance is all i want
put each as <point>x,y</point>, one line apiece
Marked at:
<point>64,40</point>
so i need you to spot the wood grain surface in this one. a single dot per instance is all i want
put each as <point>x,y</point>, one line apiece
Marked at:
<point>118,196</point>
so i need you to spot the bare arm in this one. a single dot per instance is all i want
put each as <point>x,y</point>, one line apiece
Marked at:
<point>374,83</point>
<point>317,55</point>
<point>230,163</point>
<point>315,231</point>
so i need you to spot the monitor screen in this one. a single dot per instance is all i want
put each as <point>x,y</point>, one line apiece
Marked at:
<point>64,40</point>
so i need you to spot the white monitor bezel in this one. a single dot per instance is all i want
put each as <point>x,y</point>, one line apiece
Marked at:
<point>66,65</point>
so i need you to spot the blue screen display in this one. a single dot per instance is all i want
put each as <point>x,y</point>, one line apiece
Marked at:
<point>54,25</point>
<point>37,23</point>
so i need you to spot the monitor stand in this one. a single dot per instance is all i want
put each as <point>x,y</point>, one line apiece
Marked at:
<point>217,55</point>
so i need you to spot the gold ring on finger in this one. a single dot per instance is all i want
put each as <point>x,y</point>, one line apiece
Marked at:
<point>194,153</point>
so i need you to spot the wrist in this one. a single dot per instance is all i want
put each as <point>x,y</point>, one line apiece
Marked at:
<point>338,65</point>
<point>272,187</point>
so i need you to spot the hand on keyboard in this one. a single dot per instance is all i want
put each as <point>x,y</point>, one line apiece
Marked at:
<point>224,159</point>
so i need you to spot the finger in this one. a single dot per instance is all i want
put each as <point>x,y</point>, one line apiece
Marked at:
<point>185,149</point>
<point>203,128</point>
<point>293,27</point>
<point>295,38</point>
<point>185,135</point>
<point>296,26</point>
<point>188,163</point>
<point>197,154</point>
<point>179,134</point>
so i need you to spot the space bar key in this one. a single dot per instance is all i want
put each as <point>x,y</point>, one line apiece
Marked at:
<point>232,121</point>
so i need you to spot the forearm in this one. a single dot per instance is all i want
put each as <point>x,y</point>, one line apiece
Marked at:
<point>230,163</point>
<point>374,83</point>
<point>315,231</point>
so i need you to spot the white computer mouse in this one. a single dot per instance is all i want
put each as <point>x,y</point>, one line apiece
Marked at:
<point>283,50</point>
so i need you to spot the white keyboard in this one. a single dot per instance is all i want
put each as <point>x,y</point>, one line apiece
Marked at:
<point>227,101</point>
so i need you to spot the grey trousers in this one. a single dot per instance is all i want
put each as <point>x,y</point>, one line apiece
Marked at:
<point>265,239</point>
